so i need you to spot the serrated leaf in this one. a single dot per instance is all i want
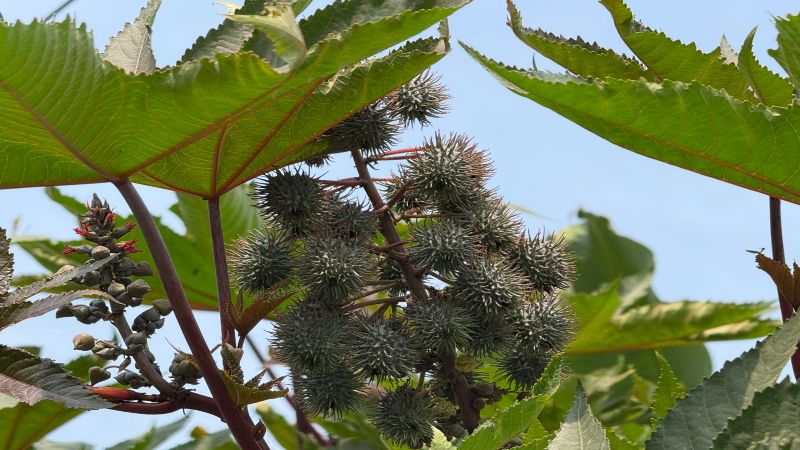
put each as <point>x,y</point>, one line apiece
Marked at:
<point>278,23</point>
<point>152,438</point>
<point>107,125</point>
<point>245,318</point>
<point>244,395</point>
<point>22,425</point>
<point>580,430</point>
<point>574,54</point>
<point>727,53</point>
<point>17,312</point>
<point>668,390</point>
<point>32,379</point>
<point>131,49</point>
<point>787,281</point>
<point>700,416</point>
<point>668,59</point>
<point>788,52</point>
<point>768,87</point>
<point>617,443</point>
<point>513,421</point>
<point>59,279</point>
<point>440,441</point>
<point>686,125</point>
<point>221,440</point>
<point>775,411</point>
<point>6,265</point>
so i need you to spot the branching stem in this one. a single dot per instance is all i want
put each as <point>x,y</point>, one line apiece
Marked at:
<point>238,422</point>
<point>142,361</point>
<point>221,269</point>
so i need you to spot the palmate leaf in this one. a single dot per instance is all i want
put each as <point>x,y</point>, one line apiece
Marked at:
<point>704,412</point>
<point>278,23</point>
<point>575,54</point>
<point>691,126</point>
<point>32,379</point>
<point>17,312</point>
<point>58,279</point>
<point>768,87</point>
<point>788,52</point>
<point>580,430</point>
<point>668,390</point>
<point>202,127</point>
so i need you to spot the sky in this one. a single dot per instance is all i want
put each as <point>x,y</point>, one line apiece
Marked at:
<point>698,228</point>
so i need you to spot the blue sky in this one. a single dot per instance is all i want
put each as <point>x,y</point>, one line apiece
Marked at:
<point>697,227</point>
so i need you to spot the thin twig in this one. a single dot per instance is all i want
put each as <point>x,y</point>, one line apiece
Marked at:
<point>377,290</point>
<point>776,234</point>
<point>237,419</point>
<point>142,361</point>
<point>377,301</point>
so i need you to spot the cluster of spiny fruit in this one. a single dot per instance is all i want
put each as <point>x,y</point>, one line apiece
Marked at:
<point>404,295</point>
<point>116,278</point>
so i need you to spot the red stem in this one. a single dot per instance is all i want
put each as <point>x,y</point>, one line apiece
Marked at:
<point>221,269</point>
<point>776,233</point>
<point>238,422</point>
<point>193,401</point>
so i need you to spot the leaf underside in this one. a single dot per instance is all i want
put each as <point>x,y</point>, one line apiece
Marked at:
<point>580,429</point>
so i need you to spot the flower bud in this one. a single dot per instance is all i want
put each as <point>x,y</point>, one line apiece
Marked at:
<point>115,289</point>
<point>143,269</point>
<point>64,311</point>
<point>138,288</point>
<point>100,252</point>
<point>163,306</point>
<point>98,374</point>
<point>83,342</point>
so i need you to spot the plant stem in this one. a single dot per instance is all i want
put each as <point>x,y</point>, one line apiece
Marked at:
<point>142,361</point>
<point>377,301</point>
<point>221,269</point>
<point>413,278</point>
<point>303,423</point>
<point>193,401</point>
<point>776,234</point>
<point>237,420</point>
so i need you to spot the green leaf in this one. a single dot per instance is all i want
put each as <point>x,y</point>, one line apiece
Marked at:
<point>440,442</point>
<point>700,416</point>
<point>668,59</point>
<point>17,312</point>
<point>58,279</point>
<point>580,429</point>
<point>108,125</point>
<point>668,390</point>
<point>574,54</point>
<point>6,265</point>
<point>279,24</point>
<point>617,443</point>
<point>22,425</point>
<point>251,392</point>
<point>686,125</point>
<point>354,429</point>
<point>788,52</point>
<point>511,422</point>
<point>768,87</point>
<point>283,431</point>
<point>31,379</point>
<point>152,438</point>
<point>221,440</point>
<point>775,411</point>
<point>131,49</point>
<point>50,445</point>
<point>228,38</point>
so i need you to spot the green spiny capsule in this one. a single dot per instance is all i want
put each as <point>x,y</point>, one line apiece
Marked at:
<point>293,200</point>
<point>545,262</point>
<point>492,333</point>
<point>331,393</point>
<point>490,285</point>
<point>439,325</point>
<point>389,270</point>
<point>443,247</point>
<point>522,367</point>
<point>408,200</point>
<point>83,342</point>
<point>381,350</point>
<point>405,417</point>
<point>333,269</point>
<point>259,260</point>
<point>373,129</point>
<point>448,170</point>
<point>350,220</point>
<point>493,224</point>
<point>419,100</point>
<point>544,324</point>
<point>310,337</point>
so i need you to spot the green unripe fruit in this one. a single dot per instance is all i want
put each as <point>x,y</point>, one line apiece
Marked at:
<point>260,260</point>
<point>381,350</point>
<point>405,417</point>
<point>489,285</point>
<point>331,393</point>
<point>333,269</point>
<point>547,263</point>
<point>350,220</point>
<point>310,337</point>
<point>83,342</point>
<point>294,201</point>
<point>443,247</point>
<point>372,130</point>
<point>491,335</point>
<point>419,100</point>
<point>493,224</point>
<point>439,325</point>
<point>544,324</point>
<point>522,367</point>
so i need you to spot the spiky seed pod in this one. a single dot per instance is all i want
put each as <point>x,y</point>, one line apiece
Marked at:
<point>350,220</point>
<point>408,200</point>
<point>492,333</point>
<point>381,350</point>
<point>490,285</point>
<point>523,366</point>
<point>405,417</point>
<point>493,223</point>
<point>439,325</point>
<point>544,324</point>
<point>311,337</point>
<point>448,170</point>
<point>331,393</point>
<point>293,200</point>
<point>259,260</point>
<point>333,269</point>
<point>419,100</point>
<point>373,129</point>
<point>318,161</point>
<point>547,263</point>
<point>443,247</point>
<point>390,271</point>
